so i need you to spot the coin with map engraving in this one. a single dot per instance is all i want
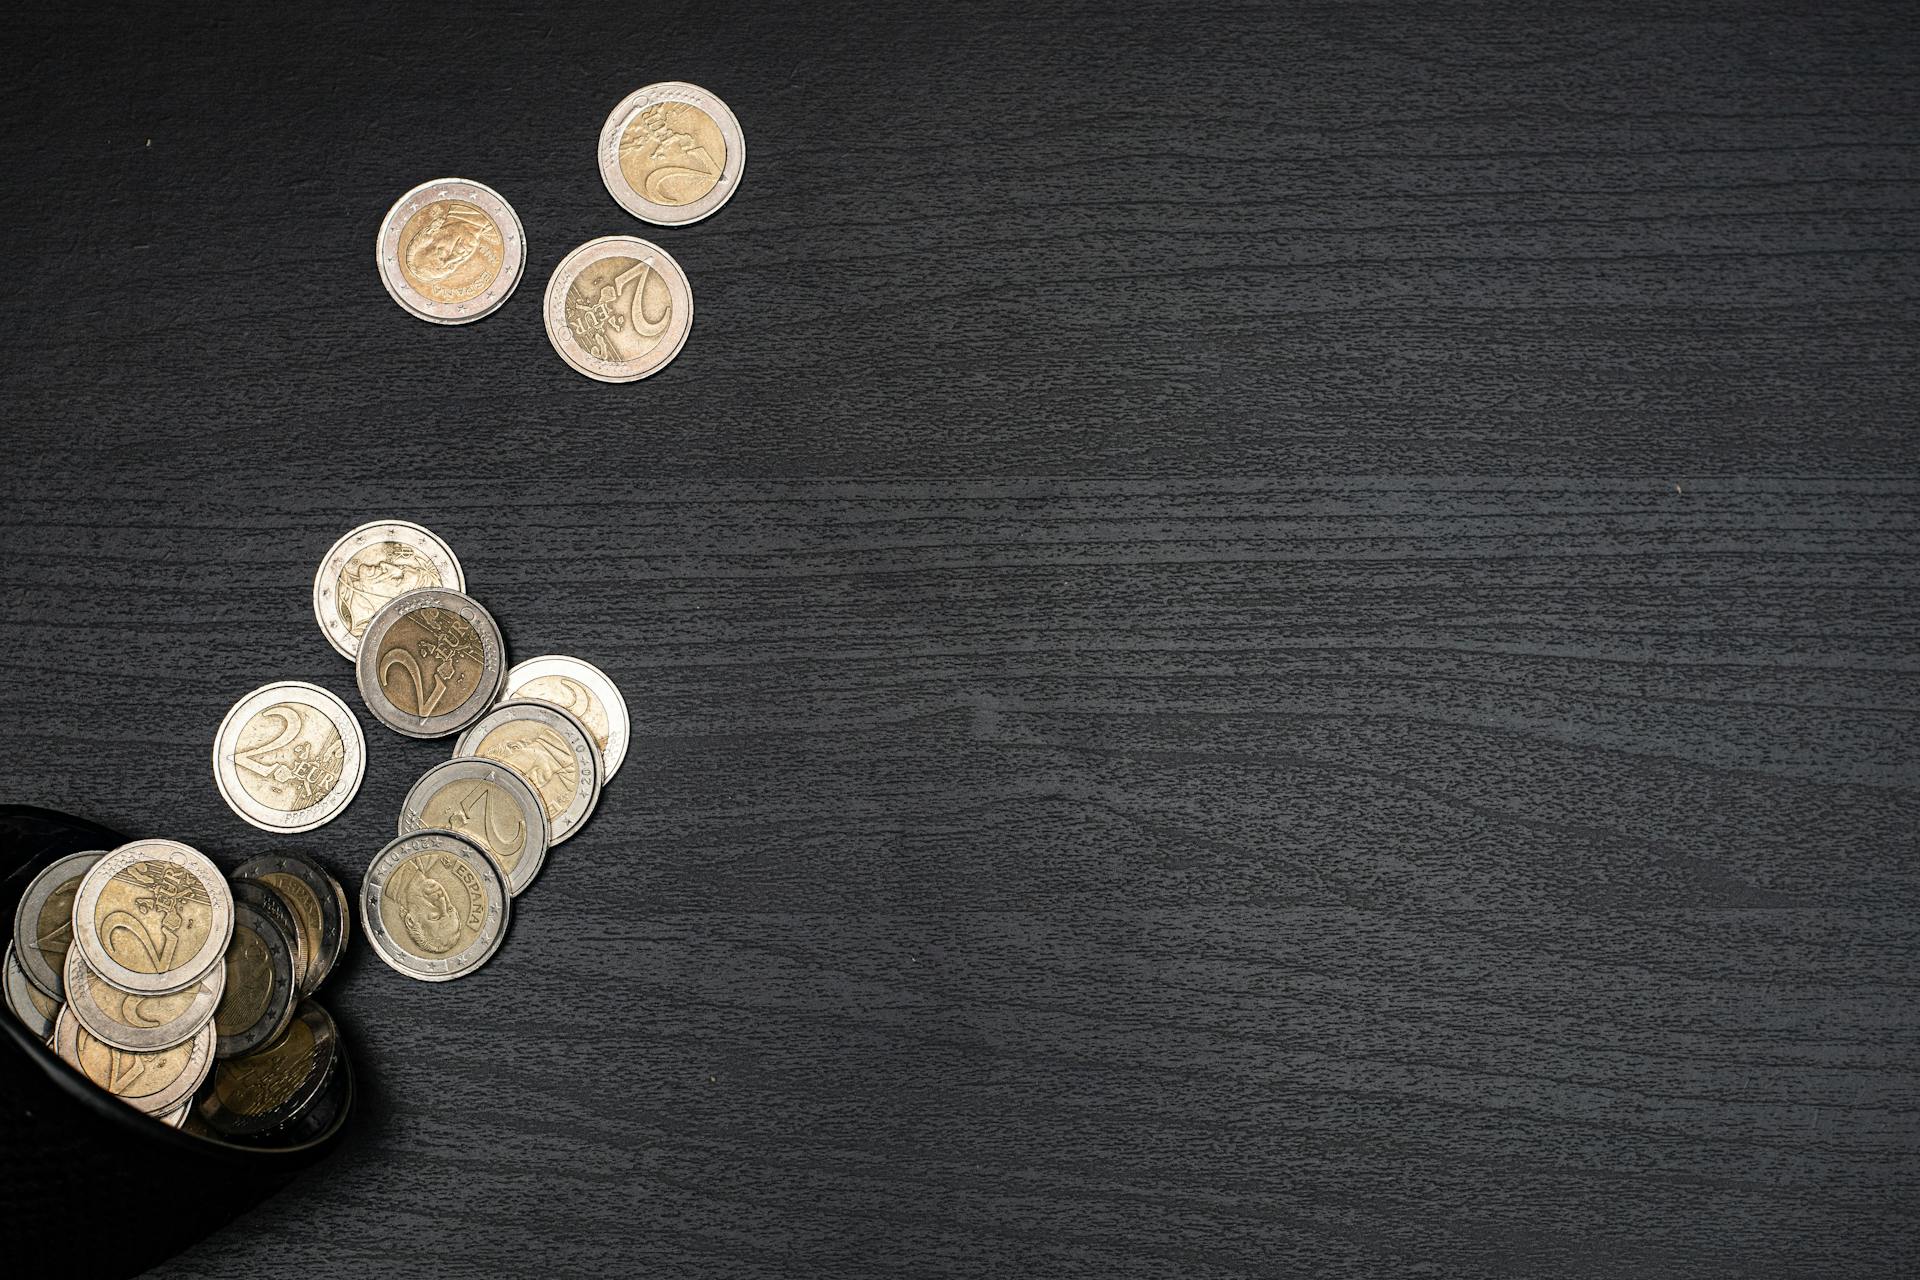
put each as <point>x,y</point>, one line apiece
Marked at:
<point>577,686</point>
<point>289,756</point>
<point>618,309</point>
<point>430,663</point>
<point>43,922</point>
<point>671,153</point>
<point>141,1023</point>
<point>488,803</point>
<point>155,1082</point>
<point>152,916</point>
<point>370,565</point>
<point>450,250</point>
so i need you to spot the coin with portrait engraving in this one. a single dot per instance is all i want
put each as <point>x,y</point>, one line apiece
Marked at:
<point>585,691</point>
<point>43,921</point>
<point>141,1023</point>
<point>434,906</point>
<point>34,1007</point>
<point>155,1082</point>
<point>430,663</point>
<point>450,250</point>
<point>322,917</point>
<point>289,756</point>
<point>260,994</point>
<point>276,1083</point>
<point>548,747</point>
<point>369,566</point>
<point>152,916</point>
<point>671,153</point>
<point>618,308</point>
<point>488,803</point>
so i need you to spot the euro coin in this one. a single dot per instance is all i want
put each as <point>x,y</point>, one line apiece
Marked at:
<point>618,309</point>
<point>671,153</point>
<point>152,916</point>
<point>34,1007</point>
<point>43,922</point>
<point>155,1082</point>
<point>141,1024</point>
<point>177,1118</point>
<point>430,663</point>
<point>289,756</point>
<point>584,691</point>
<point>450,251</point>
<point>260,995</point>
<point>369,566</point>
<point>551,750</point>
<point>319,906</point>
<point>434,906</point>
<point>488,803</point>
<point>275,1084</point>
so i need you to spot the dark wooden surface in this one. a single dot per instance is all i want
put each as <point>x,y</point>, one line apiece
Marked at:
<point>1266,639</point>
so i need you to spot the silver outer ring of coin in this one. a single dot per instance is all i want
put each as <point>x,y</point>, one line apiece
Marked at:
<point>586,756</point>
<point>478,769</point>
<point>326,1051</point>
<point>190,970</point>
<point>493,927</point>
<point>326,580</point>
<point>21,994</point>
<point>597,682</point>
<point>34,964</point>
<point>66,1045</point>
<point>226,764</point>
<point>554,309</point>
<point>109,1030</point>
<point>671,215</point>
<point>335,916</point>
<point>178,1116</point>
<point>256,907</point>
<point>513,250</point>
<point>493,664</point>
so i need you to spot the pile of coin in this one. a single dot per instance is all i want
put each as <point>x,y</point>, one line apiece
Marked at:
<point>617,308</point>
<point>184,994</point>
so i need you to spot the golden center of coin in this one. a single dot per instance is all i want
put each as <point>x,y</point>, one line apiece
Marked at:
<point>375,575</point>
<point>258,1082</point>
<point>140,1012</point>
<point>619,308</point>
<point>153,916</point>
<point>673,153</point>
<point>249,983</point>
<point>485,813</point>
<point>53,930</point>
<point>289,756</point>
<point>539,755</point>
<point>570,695</point>
<point>131,1075</point>
<point>300,900</point>
<point>438,901</point>
<point>450,251</point>
<point>430,660</point>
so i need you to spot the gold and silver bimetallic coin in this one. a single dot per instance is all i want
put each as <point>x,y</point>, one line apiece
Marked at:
<point>322,915</point>
<point>582,689</point>
<point>430,663</point>
<point>548,747</point>
<point>434,906</point>
<point>260,994</point>
<point>155,1082</point>
<point>450,250</point>
<point>141,1024</point>
<point>488,803</point>
<point>43,922</point>
<point>152,916</point>
<point>34,1007</point>
<point>371,565</point>
<point>671,153</point>
<point>289,756</point>
<point>275,1084</point>
<point>618,308</point>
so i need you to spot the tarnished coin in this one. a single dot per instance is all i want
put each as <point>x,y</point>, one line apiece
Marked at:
<point>260,995</point>
<point>671,153</point>
<point>34,1007</point>
<point>582,689</point>
<point>450,250</point>
<point>140,1023</point>
<point>488,803</point>
<point>152,916</point>
<point>430,663</point>
<point>275,1084</point>
<point>371,565</point>
<point>618,308</point>
<point>155,1082</point>
<point>319,906</point>
<point>551,750</point>
<point>289,756</point>
<point>43,922</point>
<point>434,906</point>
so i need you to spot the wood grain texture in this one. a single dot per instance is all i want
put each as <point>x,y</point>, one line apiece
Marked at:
<point>1264,640</point>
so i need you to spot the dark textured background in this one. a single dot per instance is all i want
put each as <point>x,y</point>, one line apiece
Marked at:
<point>1265,638</point>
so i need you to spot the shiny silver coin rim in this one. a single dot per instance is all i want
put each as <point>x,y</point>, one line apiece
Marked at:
<point>493,664</point>
<point>553,309</point>
<point>121,1035</point>
<point>251,898</point>
<point>232,1124</point>
<point>336,917</point>
<point>33,965</point>
<point>326,578</point>
<point>226,766</point>
<point>66,1047</point>
<point>619,724</point>
<point>615,128</point>
<point>19,995</point>
<point>586,755</point>
<point>183,975</point>
<point>177,1117</point>
<point>506,776</point>
<point>493,930</point>
<point>513,251</point>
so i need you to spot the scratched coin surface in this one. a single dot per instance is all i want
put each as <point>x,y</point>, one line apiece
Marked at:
<point>260,994</point>
<point>548,747</point>
<point>434,906</point>
<point>43,922</point>
<point>34,1007</point>
<point>319,906</point>
<point>671,153</point>
<point>289,756</point>
<point>152,916</point>
<point>430,663</point>
<point>155,1082</point>
<point>368,566</point>
<point>141,1023</point>
<point>618,308</point>
<point>450,250</point>
<point>277,1082</point>
<point>577,686</point>
<point>488,803</point>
